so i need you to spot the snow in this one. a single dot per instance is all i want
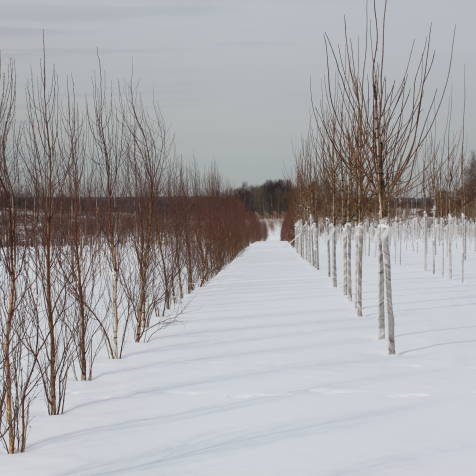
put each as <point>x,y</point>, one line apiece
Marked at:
<point>268,371</point>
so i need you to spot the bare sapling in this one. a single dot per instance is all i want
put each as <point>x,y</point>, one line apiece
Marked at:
<point>80,266</point>
<point>18,371</point>
<point>45,174</point>
<point>108,135</point>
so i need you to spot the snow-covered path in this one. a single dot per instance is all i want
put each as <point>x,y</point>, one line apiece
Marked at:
<point>269,372</point>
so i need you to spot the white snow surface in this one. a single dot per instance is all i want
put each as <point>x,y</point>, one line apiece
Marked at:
<point>269,372</point>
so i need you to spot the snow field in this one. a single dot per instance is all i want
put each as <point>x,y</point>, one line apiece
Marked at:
<point>269,372</point>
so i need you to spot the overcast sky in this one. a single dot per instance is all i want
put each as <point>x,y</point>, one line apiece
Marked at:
<point>231,76</point>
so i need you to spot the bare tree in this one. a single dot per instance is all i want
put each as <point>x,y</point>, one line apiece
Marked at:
<point>45,173</point>
<point>108,134</point>
<point>80,266</point>
<point>18,376</point>
<point>147,154</point>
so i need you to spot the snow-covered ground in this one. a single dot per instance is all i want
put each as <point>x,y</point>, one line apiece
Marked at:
<point>269,372</point>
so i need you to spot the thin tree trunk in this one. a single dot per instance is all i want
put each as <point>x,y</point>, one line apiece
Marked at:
<point>334,261</point>
<point>425,240</point>
<point>358,269</point>
<point>345,267</point>
<point>388,291</point>
<point>381,293</point>
<point>349,260</point>
<point>317,243</point>
<point>329,252</point>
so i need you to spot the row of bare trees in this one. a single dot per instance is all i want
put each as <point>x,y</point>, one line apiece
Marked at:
<point>372,140</point>
<point>373,143</point>
<point>103,231</point>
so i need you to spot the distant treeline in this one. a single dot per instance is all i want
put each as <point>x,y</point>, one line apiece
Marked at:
<point>270,198</point>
